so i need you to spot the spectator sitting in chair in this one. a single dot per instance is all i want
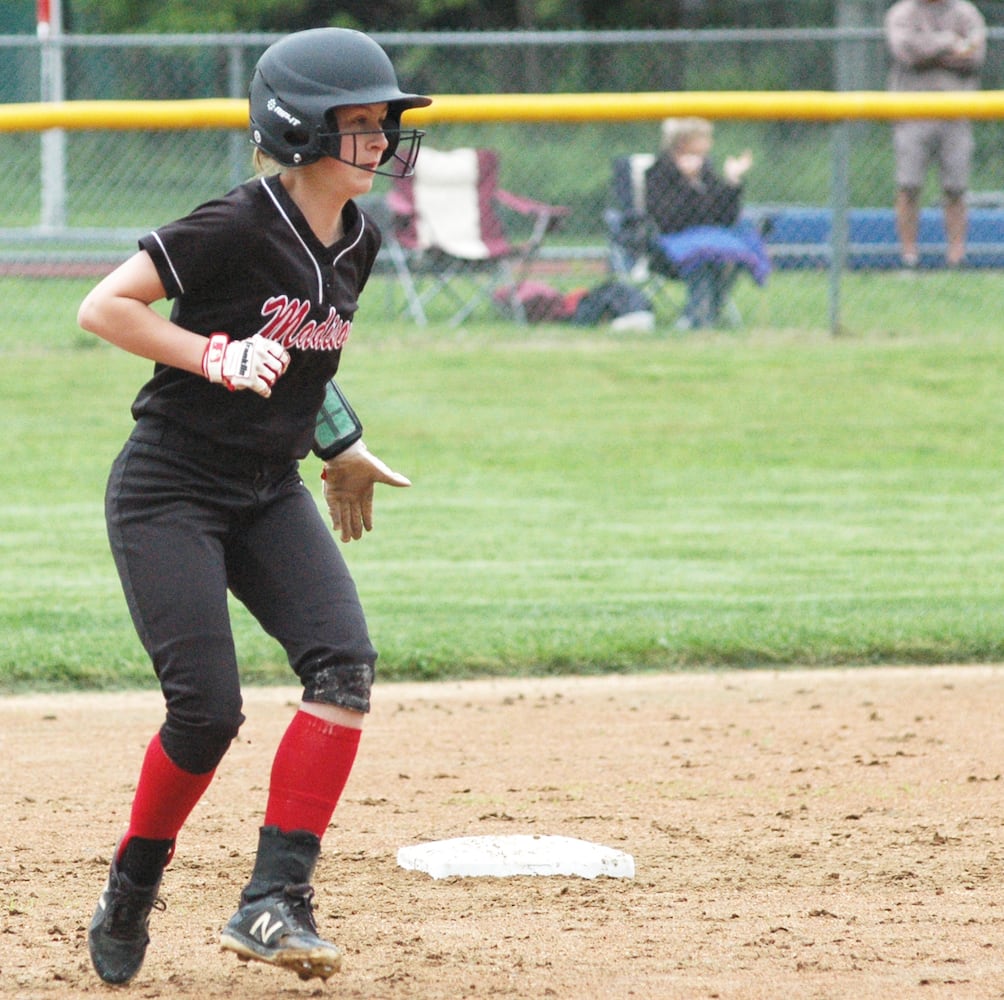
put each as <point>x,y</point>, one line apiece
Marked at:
<point>695,209</point>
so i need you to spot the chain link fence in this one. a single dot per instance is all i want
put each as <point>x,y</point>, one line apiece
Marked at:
<point>115,185</point>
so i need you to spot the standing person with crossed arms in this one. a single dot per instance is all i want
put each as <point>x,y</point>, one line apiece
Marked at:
<point>206,495</point>
<point>935,45</point>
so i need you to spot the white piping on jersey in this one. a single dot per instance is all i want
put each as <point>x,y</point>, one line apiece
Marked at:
<point>289,222</point>
<point>167,257</point>
<point>355,242</point>
<point>317,266</point>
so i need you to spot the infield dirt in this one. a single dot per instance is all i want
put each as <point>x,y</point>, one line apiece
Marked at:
<point>796,834</point>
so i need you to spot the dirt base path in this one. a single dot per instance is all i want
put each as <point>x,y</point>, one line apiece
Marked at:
<point>809,834</point>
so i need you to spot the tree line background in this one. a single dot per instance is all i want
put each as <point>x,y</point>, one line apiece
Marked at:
<point>184,16</point>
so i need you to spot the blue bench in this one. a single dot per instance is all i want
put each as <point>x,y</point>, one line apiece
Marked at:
<point>799,237</point>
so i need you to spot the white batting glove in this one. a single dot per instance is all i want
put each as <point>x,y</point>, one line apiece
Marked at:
<point>348,488</point>
<point>255,363</point>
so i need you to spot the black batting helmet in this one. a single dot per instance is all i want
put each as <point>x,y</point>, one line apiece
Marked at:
<point>300,79</point>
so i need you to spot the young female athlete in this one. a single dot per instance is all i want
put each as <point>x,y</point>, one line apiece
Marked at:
<point>206,495</point>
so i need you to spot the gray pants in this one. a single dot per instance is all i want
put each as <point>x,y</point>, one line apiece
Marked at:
<point>188,521</point>
<point>949,143</point>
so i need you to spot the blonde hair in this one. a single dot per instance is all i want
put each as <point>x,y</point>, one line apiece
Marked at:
<point>264,165</point>
<point>676,131</point>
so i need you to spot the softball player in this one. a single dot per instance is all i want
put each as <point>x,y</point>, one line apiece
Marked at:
<point>206,495</point>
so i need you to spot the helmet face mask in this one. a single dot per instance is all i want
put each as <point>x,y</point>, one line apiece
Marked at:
<point>399,157</point>
<point>302,79</point>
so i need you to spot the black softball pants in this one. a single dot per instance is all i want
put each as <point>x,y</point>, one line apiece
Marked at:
<point>188,521</point>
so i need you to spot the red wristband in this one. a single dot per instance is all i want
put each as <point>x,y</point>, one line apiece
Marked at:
<point>212,357</point>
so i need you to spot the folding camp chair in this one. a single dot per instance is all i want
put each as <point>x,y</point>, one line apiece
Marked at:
<point>633,255</point>
<point>449,238</point>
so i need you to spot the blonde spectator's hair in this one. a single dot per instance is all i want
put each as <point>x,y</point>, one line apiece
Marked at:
<point>676,131</point>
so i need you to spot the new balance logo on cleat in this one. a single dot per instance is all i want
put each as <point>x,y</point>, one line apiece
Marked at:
<point>279,929</point>
<point>262,930</point>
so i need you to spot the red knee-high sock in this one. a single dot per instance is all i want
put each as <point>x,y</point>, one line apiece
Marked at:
<point>165,795</point>
<point>309,772</point>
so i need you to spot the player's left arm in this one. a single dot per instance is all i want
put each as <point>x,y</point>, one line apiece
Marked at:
<point>350,470</point>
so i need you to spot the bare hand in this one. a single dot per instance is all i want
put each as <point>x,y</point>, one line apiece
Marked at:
<point>736,167</point>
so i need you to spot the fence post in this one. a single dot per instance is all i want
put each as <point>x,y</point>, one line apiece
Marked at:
<point>237,86</point>
<point>850,71</point>
<point>53,145</point>
<point>839,200</point>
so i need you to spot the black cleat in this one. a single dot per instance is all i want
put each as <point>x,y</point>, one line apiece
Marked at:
<point>118,934</point>
<point>279,929</point>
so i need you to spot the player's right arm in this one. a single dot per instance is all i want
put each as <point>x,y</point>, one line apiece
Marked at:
<point>118,309</point>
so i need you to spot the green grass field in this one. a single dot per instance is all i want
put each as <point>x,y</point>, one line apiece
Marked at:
<point>581,502</point>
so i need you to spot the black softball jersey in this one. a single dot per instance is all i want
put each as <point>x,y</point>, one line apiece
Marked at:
<point>244,264</point>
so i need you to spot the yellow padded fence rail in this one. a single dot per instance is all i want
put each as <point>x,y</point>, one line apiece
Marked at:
<point>819,106</point>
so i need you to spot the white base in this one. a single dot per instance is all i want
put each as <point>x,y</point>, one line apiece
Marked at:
<point>516,855</point>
